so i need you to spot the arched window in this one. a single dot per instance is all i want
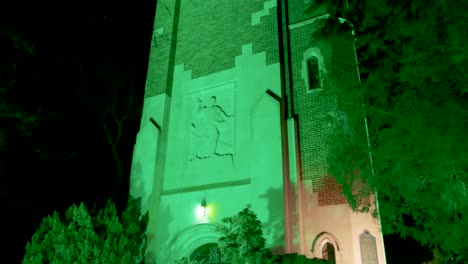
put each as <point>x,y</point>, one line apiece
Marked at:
<point>209,253</point>
<point>328,253</point>
<point>313,73</point>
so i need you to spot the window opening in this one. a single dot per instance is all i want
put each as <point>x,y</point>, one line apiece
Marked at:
<point>313,73</point>
<point>328,253</point>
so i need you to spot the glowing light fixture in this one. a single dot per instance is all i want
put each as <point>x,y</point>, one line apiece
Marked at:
<point>202,210</point>
<point>203,205</point>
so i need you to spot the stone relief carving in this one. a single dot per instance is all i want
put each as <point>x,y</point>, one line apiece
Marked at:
<point>211,129</point>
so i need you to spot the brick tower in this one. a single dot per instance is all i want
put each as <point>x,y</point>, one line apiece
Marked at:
<point>233,116</point>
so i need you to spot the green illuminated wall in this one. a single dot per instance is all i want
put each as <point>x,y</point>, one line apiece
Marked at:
<point>210,130</point>
<point>226,150</point>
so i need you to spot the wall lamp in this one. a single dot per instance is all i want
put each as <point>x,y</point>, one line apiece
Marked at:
<point>203,205</point>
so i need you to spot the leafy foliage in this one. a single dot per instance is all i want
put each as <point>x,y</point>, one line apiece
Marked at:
<point>298,259</point>
<point>412,60</point>
<point>85,239</point>
<point>17,54</point>
<point>242,241</point>
<point>187,261</point>
<point>65,99</point>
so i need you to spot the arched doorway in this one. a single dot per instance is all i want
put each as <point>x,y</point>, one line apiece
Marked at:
<point>209,253</point>
<point>326,246</point>
<point>328,253</point>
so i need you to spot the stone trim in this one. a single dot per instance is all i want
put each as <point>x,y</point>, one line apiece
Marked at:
<point>313,52</point>
<point>307,21</point>
<point>208,186</point>
<point>188,240</point>
<point>320,240</point>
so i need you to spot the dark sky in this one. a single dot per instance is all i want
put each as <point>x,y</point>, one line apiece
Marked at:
<point>87,58</point>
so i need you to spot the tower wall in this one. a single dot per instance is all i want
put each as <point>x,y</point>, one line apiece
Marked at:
<point>220,136</point>
<point>325,216</point>
<point>210,130</point>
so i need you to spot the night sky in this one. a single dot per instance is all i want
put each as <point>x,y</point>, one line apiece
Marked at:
<point>87,58</point>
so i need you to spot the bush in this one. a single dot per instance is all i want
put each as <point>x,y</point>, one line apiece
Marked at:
<point>85,239</point>
<point>298,259</point>
<point>187,261</point>
<point>242,242</point>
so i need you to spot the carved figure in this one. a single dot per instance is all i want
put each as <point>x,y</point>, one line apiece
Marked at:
<point>210,131</point>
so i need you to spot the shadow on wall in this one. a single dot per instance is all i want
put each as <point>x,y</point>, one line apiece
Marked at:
<point>136,183</point>
<point>274,226</point>
<point>161,235</point>
<point>141,187</point>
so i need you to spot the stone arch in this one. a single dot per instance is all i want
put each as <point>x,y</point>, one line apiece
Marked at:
<point>321,240</point>
<point>210,253</point>
<point>188,240</point>
<point>309,53</point>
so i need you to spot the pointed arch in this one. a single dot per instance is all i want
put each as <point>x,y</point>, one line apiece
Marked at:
<point>326,241</point>
<point>313,73</point>
<point>191,238</point>
<point>313,69</point>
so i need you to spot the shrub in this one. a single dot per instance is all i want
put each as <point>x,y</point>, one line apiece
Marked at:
<point>187,261</point>
<point>81,238</point>
<point>298,259</point>
<point>242,242</point>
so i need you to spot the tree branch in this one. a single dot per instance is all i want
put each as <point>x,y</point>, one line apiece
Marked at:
<point>119,125</point>
<point>7,115</point>
<point>119,132</point>
<point>453,169</point>
<point>382,111</point>
<point>109,138</point>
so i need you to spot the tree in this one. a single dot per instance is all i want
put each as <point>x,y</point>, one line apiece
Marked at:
<point>15,116</point>
<point>56,88</point>
<point>187,261</point>
<point>299,259</point>
<point>48,125</point>
<point>108,91</point>
<point>82,238</point>
<point>242,240</point>
<point>412,59</point>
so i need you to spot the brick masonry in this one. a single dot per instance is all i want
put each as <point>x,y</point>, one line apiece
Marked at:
<point>159,66</point>
<point>312,111</point>
<point>227,25</point>
<point>211,46</point>
<point>297,11</point>
<point>312,108</point>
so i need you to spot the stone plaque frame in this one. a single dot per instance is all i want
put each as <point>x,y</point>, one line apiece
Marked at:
<point>368,248</point>
<point>211,125</point>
